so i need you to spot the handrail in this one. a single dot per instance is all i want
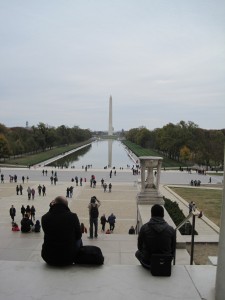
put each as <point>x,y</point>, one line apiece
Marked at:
<point>193,215</point>
<point>184,221</point>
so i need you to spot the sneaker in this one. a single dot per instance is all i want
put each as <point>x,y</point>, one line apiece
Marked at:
<point>90,237</point>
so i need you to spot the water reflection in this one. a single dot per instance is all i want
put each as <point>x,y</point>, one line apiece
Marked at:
<point>109,153</point>
<point>69,160</point>
<point>100,154</point>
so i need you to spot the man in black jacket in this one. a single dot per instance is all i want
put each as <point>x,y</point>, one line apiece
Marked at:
<point>62,234</point>
<point>155,237</point>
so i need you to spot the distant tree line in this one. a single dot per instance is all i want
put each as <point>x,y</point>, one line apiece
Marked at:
<point>18,140</point>
<point>184,142</point>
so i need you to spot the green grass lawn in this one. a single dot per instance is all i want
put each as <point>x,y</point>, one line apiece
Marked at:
<point>34,159</point>
<point>139,151</point>
<point>207,200</point>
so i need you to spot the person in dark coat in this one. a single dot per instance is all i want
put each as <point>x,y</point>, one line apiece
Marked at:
<point>32,212</point>
<point>37,226</point>
<point>23,210</point>
<point>131,230</point>
<point>103,221</point>
<point>112,221</point>
<point>62,234</point>
<point>155,237</point>
<point>26,224</point>
<point>28,211</point>
<point>12,212</point>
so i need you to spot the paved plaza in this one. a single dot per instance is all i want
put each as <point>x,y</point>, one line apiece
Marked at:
<point>121,201</point>
<point>20,254</point>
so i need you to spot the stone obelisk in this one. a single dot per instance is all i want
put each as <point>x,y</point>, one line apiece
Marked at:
<point>110,117</point>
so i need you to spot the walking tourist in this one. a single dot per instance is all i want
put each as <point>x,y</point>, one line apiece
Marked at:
<point>112,221</point>
<point>103,221</point>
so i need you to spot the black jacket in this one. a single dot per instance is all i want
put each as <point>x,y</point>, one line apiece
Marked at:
<point>26,225</point>
<point>156,237</point>
<point>61,232</point>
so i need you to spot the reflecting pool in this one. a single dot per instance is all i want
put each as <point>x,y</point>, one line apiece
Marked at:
<point>100,154</point>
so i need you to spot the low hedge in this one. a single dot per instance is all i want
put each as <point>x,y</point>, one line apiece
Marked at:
<point>178,216</point>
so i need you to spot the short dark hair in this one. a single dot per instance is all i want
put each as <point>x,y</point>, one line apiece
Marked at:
<point>157,211</point>
<point>93,199</point>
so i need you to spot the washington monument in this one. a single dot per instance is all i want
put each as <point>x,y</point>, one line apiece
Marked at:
<point>110,132</point>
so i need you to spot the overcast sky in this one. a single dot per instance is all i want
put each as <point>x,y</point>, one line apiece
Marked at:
<point>162,61</point>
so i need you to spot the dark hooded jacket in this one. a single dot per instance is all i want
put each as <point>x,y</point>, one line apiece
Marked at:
<point>156,237</point>
<point>61,232</point>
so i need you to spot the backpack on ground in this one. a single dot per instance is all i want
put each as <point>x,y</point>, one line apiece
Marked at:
<point>94,211</point>
<point>161,264</point>
<point>90,255</point>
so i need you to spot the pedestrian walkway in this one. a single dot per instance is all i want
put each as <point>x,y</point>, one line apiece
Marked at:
<point>121,276</point>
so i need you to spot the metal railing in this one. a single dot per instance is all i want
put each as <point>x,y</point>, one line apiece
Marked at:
<point>193,215</point>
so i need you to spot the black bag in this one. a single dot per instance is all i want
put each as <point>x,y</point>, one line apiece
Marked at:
<point>94,211</point>
<point>161,264</point>
<point>90,255</point>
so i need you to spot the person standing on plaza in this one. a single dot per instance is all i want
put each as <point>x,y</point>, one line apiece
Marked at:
<point>21,189</point>
<point>39,190</point>
<point>28,211</point>
<point>112,221</point>
<point>103,221</point>
<point>29,192</point>
<point>33,193</point>
<point>43,190</point>
<point>12,212</point>
<point>32,213</point>
<point>62,234</point>
<point>105,187</point>
<point>110,187</point>
<point>23,210</point>
<point>155,237</point>
<point>93,216</point>
<point>17,189</point>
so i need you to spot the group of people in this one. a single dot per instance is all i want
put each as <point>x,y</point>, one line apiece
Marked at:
<point>28,216</point>
<point>195,182</point>
<point>77,180</point>
<point>111,220</point>
<point>104,185</point>
<point>69,192</point>
<point>63,234</point>
<point>31,191</point>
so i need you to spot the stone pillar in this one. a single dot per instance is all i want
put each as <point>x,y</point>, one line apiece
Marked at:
<point>149,193</point>
<point>110,117</point>
<point>158,174</point>
<point>142,164</point>
<point>220,286</point>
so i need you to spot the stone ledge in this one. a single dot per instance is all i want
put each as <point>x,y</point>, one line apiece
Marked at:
<point>33,280</point>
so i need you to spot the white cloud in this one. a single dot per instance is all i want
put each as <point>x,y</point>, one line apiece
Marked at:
<point>161,61</point>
